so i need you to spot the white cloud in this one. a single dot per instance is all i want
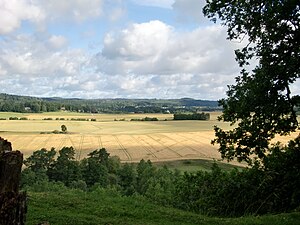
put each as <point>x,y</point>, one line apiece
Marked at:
<point>157,3</point>
<point>156,48</point>
<point>29,56</point>
<point>138,42</point>
<point>57,41</point>
<point>143,60</point>
<point>78,10</point>
<point>154,60</point>
<point>13,12</point>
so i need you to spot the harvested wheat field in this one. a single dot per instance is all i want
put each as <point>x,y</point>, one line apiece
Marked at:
<point>130,140</point>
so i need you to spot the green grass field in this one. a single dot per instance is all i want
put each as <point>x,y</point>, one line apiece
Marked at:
<point>69,207</point>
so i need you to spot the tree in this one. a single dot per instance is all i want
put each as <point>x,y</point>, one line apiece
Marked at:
<point>64,128</point>
<point>261,103</point>
<point>95,168</point>
<point>127,179</point>
<point>145,171</point>
<point>65,168</point>
<point>40,160</point>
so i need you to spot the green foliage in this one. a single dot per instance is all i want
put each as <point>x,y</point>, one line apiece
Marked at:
<point>194,116</point>
<point>145,119</point>
<point>80,119</point>
<point>48,118</point>
<point>30,177</point>
<point>64,128</point>
<point>161,188</point>
<point>127,179</point>
<point>13,118</point>
<point>65,169</point>
<point>145,171</point>
<point>260,103</point>
<point>96,168</point>
<point>40,160</point>
<point>106,206</point>
<point>272,188</point>
<point>94,172</point>
<point>256,190</point>
<point>80,185</point>
<point>14,103</point>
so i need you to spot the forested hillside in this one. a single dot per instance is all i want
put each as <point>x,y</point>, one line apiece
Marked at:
<point>14,103</point>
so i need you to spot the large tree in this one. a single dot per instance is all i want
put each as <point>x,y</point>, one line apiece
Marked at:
<point>261,104</point>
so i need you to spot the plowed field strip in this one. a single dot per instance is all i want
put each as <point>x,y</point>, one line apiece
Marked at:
<point>191,139</point>
<point>165,147</point>
<point>44,143</point>
<point>123,148</point>
<point>202,136</point>
<point>147,148</point>
<point>72,142</point>
<point>151,145</point>
<point>80,147</point>
<point>100,141</point>
<point>29,144</point>
<point>62,142</point>
<point>185,145</point>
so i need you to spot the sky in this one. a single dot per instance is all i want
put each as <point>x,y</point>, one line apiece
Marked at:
<point>113,49</point>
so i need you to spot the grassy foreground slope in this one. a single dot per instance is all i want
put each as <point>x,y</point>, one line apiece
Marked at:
<point>67,206</point>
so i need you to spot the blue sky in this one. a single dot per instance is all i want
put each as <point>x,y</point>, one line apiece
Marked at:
<point>112,49</point>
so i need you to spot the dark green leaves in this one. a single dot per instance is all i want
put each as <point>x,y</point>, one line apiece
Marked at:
<point>260,104</point>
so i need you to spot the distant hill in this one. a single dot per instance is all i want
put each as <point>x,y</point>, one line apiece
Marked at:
<point>16,103</point>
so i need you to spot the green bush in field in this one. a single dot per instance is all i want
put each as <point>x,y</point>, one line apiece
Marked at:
<point>194,116</point>
<point>13,118</point>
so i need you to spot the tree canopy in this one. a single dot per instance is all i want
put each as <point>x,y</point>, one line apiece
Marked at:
<point>261,103</point>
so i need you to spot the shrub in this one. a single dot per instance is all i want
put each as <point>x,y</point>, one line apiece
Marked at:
<point>13,118</point>
<point>194,116</point>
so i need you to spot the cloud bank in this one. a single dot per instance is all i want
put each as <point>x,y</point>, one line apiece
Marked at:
<point>150,59</point>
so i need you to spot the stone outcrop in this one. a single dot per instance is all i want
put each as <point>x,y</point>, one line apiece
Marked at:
<point>12,202</point>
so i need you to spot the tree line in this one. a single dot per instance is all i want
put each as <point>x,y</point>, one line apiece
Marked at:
<point>271,188</point>
<point>193,116</point>
<point>14,103</point>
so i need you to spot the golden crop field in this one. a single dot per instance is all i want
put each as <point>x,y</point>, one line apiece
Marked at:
<point>130,140</point>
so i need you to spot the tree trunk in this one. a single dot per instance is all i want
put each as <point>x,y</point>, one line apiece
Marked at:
<point>12,203</point>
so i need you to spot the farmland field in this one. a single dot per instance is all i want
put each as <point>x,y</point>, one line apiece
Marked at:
<point>130,140</point>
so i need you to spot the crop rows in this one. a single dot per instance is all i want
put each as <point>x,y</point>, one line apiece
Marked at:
<point>130,148</point>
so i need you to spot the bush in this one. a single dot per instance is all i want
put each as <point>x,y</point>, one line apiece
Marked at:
<point>80,184</point>
<point>13,118</point>
<point>145,119</point>
<point>194,116</point>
